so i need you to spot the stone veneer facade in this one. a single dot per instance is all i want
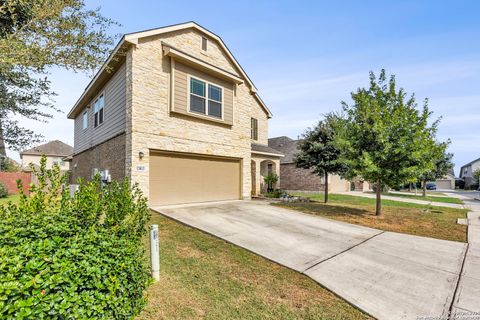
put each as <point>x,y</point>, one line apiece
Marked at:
<point>151,126</point>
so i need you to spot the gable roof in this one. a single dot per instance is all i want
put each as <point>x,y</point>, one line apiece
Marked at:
<point>52,148</point>
<point>471,162</point>
<point>132,39</point>
<point>285,145</point>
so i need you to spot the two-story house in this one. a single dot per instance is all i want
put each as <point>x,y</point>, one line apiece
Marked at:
<point>55,152</point>
<point>174,111</point>
<point>466,172</point>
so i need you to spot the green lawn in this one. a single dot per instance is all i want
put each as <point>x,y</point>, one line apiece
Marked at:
<point>203,277</point>
<point>410,218</point>
<point>429,192</point>
<point>14,198</point>
<point>427,198</point>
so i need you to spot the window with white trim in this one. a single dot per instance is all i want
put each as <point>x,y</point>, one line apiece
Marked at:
<point>206,98</point>
<point>85,120</point>
<point>98,111</point>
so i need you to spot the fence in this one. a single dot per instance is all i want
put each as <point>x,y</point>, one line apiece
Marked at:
<point>9,179</point>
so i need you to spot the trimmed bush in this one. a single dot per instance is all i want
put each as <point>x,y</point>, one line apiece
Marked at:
<point>3,190</point>
<point>277,193</point>
<point>73,258</point>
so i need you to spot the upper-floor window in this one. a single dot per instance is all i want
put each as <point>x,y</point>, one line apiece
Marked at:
<point>85,120</point>
<point>98,111</point>
<point>205,98</point>
<point>204,43</point>
<point>254,129</point>
<point>58,161</point>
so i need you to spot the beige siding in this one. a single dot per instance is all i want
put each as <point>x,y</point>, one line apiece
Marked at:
<point>34,159</point>
<point>114,114</point>
<point>181,91</point>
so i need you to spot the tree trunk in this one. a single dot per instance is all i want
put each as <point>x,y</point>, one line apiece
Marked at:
<point>3,152</point>
<point>424,188</point>
<point>378,206</point>
<point>326,187</point>
<point>410,187</point>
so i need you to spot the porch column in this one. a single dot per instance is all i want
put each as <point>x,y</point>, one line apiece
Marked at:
<point>277,171</point>
<point>258,177</point>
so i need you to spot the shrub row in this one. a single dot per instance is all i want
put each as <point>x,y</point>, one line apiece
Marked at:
<point>73,258</point>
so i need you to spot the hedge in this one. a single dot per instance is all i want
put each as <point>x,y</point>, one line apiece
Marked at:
<point>73,258</point>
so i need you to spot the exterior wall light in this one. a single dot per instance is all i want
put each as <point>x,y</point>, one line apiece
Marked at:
<point>141,155</point>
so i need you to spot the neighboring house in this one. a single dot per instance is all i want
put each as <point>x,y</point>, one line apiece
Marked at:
<point>466,172</point>
<point>173,110</point>
<point>298,179</point>
<point>447,182</point>
<point>55,151</point>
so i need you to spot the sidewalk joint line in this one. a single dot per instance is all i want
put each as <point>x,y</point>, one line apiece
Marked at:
<point>460,276</point>
<point>348,249</point>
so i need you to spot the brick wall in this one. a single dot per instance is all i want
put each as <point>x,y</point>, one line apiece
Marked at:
<point>293,178</point>
<point>107,155</point>
<point>9,179</point>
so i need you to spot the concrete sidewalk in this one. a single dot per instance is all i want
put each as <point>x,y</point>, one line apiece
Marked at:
<point>467,297</point>
<point>402,199</point>
<point>419,193</point>
<point>388,275</point>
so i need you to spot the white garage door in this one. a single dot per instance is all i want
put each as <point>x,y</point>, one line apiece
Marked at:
<point>443,184</point>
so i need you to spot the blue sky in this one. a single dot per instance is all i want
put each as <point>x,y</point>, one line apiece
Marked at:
<point>307,56</point>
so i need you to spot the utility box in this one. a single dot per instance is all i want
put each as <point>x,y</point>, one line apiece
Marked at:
<point>73,188</point>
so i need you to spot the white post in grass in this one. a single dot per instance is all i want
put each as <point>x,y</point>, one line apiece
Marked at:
<point>154,252</point>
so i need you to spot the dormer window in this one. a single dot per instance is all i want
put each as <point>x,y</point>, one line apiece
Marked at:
<point>204,43</point>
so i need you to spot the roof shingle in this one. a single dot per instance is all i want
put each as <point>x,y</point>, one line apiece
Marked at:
<point>285,145</point>
<point>52,148</point>
<point>265,149</point>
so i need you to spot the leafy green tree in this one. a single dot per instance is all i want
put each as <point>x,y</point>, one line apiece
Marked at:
<point>36,35</point>
<point>385,138</point>
<point>8,165</point>
<point>442,165</point>
<point>476,176</point>
<point>318,151</point>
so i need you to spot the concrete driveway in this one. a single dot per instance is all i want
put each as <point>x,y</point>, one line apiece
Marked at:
<point>388,275</point>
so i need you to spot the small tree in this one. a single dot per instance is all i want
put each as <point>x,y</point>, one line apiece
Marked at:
<point>8,165</point>
<point>270,180</point>
<point>36,35</point>
<point>385,138</point>
<point>442,165</point>
<point>318,152</point>
<point>476,176</point>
